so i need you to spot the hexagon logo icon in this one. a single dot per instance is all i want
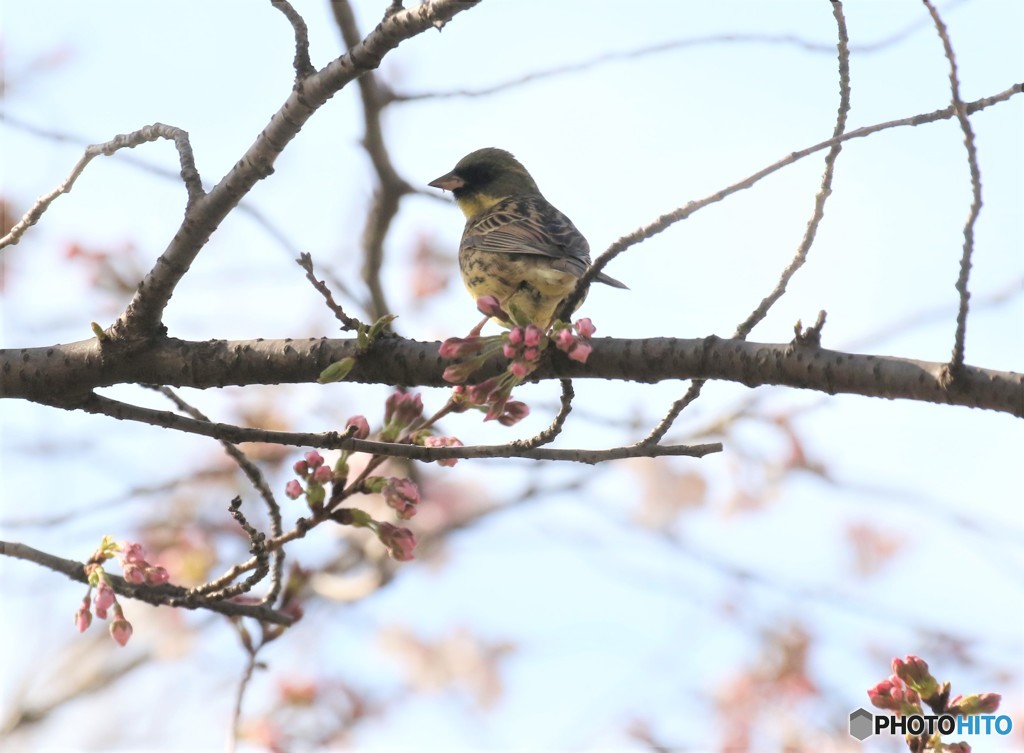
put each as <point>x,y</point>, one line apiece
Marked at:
<point>860,724</point>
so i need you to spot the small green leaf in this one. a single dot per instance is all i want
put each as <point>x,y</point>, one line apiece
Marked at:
<point>337,371</point>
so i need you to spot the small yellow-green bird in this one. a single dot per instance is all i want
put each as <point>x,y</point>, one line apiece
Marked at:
<point>516,245</point>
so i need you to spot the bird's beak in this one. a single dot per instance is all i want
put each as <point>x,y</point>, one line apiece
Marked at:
<point>448,182</point>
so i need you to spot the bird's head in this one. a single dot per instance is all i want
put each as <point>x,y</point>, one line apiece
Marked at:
<point>483,178</point>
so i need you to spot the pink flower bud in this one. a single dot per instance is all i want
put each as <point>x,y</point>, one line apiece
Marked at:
<point>443,442</point>
<point>461,347</point>
<point>519,369</point>
<point>314,458</point>
<point>399,541</point>
<point>483,393</point>
<point>565,339</point>
<point>133,553</point>
<point>121,630</point>
<point>301,467</point>
<point>489,305</point>
<point>134,574</point>
<point>402,495</point>
<point>157,575</point>
<point>83,617</point>
<point>978,703</point>
<point>515,335</point>
<point>323,474</point>
<point>581,352</point>
<point>509,350</point>
<point>104,598</point>
<point>293,489</point>
<point>362,430</point>
<point>515,411</point>
<point>533,336</point>
<point>585,328</point>
<point>531,354</point>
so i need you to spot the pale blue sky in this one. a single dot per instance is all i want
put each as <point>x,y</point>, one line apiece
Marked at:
<point>613,147</point>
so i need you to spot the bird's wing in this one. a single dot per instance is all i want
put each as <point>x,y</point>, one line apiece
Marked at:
<point>530,225</point>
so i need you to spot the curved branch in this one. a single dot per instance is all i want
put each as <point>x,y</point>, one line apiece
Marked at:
<point>163,595</point>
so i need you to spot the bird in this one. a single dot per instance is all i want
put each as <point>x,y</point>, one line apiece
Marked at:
<point>516,246</point>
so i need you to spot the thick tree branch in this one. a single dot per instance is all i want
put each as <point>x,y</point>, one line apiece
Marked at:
<point>66,375</point>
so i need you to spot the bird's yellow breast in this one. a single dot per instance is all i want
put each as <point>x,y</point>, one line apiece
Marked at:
<point>476,204</point>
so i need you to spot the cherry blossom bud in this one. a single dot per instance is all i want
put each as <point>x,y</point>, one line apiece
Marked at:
<point>533,336</point>
<point>443,442</point>
<point>515,336</point>
<point>157,575</point>
<point>515,411</point>
<point>519,369</point>
<point>362,430</point>
<point>314,458</point>
<point>531,354</point>
<point>882,697</point>
<point>489,305</point>
<point>133,552</point>
<point>585,328</point>
<point>581,352</point>
<point>83,617</point>
<point>301,467</point>
<point>565,339</point>
<point>509,350</point>
<point>979,703</point>
<point>293,489</point>
<point>104,598</point>
<point>399,541</point>
<point>121,630</point>
<point>914,672</point>
<point>323,474</point>
<point>402,495</point>
<point>134,574</point>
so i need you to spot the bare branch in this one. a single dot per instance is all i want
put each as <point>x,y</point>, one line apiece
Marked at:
<point>163,595</point>
<point>667,220</point>
<point>189,174</point>
<point>256,538</point>
<point>759,313</point>
<point>303,67</point>
<point>335,441</point>
<point>546,436</point>
<point>957,359</point>
<point>659,49</point>
<point>143,315</point>
<point>391,187</point>
<point>347,322</point>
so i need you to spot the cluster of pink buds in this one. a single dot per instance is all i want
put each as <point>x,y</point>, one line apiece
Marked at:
<point>101,600</point>
<point>575,344</point>
<point>316,474</point>
<point>431,441</point>
<point>911,683</point>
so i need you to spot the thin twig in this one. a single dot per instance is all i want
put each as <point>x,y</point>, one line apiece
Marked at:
<point>347,322</point>
<point>759,313</point>
<point>303,67</point>
<point>658,49</point>
<point>555,428</point>
<point>189,174</point>
<point>335,441</point>
<point>957,359</point>
<point>666,221</point>
<point>391,187</point>
<point>162,595</point>
<point>256,538</point>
